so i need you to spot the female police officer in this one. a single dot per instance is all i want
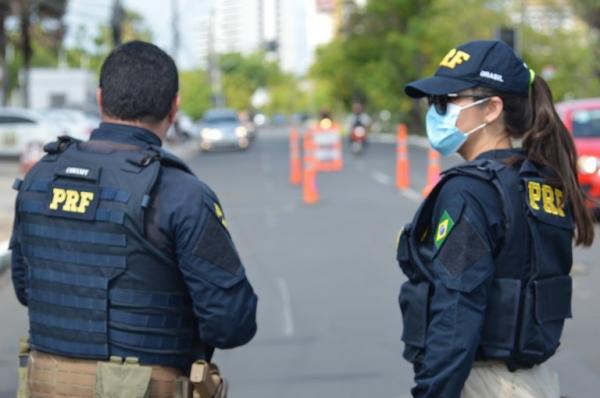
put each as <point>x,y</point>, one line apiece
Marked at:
<point>488,253</point>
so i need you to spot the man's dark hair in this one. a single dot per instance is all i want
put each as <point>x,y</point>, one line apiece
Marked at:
<point>139,82</point>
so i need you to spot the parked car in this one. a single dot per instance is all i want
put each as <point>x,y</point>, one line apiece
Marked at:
<point>22,128</point>
<point>221,128</point>
<point>73,122</point>
<point>582,118</point>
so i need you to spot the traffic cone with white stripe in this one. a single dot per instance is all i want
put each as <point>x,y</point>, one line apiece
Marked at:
<point>310,192</point>
<point>402,162</point>
<point>295,158</point>
<point>433,171</point>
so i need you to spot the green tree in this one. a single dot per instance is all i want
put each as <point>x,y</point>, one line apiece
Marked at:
<point>40,28</point>
<point>391,42</point>
<point>589,11</point>
<point>242,75</point>
<point>134,28</point>
<point>195,93</point>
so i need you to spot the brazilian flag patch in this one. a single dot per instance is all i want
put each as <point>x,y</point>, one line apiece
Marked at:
<point>443,229</point>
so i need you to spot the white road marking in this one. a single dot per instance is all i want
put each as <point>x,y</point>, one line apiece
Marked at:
<point>411,194</point>
<point>381,178</point>
<point>288,320</point>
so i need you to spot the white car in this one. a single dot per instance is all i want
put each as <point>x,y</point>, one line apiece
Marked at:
<point>19,128</point>
<point>74,123</point>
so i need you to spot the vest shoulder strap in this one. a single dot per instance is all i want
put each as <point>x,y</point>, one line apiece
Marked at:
<point>60,145</point>
<point>168,159</point>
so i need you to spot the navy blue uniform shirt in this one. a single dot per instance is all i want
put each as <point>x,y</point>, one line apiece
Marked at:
<point>467,230</point>
<point>182,208</point>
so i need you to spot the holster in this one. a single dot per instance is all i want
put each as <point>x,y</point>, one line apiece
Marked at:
<point>207,381</point>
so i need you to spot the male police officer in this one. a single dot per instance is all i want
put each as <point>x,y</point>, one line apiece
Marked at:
<point>121,254</point>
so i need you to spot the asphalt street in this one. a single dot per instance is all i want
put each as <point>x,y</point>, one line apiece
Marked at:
<point>327,279</point>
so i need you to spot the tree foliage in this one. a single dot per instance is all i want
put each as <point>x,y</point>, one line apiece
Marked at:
<point>195,92</point>
<point>243,75</point>
<point>389,43</point>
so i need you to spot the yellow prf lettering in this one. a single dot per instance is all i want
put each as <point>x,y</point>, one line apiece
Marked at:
<point>535,194</point>
<point>560,205</point>
<point>84,202</point>
<point>58,197</point>
<point>548,199</point>
<point>72,201</point>
<point>454,57</point>
<point>551,198</point>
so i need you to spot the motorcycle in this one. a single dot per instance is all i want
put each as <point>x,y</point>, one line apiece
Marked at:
<point>358,140</point>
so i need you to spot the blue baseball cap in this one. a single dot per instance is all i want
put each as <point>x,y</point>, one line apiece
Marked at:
<point>487,63</point>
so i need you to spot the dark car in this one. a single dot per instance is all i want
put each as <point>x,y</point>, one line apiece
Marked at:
<point>221,128</point>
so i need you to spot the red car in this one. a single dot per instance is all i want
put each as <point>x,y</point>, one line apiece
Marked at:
<point>582,118</point>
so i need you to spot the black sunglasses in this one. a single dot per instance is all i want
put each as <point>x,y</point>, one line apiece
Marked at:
<point>440,102</point>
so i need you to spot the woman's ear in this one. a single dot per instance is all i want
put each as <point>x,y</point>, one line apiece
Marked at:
<point>493,110</point>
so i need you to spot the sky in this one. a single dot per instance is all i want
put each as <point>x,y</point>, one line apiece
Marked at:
<point>158,17</point>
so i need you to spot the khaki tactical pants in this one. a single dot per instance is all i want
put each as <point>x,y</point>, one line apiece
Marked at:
<point>493,380</point>
<point>53,376</point>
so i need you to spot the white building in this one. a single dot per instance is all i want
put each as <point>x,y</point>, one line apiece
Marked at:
<point>52,88</point>
<point>295,27</point>
<point>544,16</point>
<point>238,26</point>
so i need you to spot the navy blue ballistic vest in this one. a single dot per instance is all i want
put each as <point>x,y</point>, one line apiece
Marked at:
<point>532,289</point>
<point>97,286</point>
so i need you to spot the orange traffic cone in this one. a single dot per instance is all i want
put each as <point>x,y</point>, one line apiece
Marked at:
<point>433,171</point>
<point>402,162</point>
<point>310,192</point>
<point>295,159</point>
<point>338,163</point>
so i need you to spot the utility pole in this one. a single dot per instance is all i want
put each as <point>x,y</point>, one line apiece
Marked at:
<point>24,10</point>
<point>175,29</point>
<point>116,22</point>
<point>4,14</point>
<point>214,70</point>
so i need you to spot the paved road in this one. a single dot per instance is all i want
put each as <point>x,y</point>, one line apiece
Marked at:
<point>329,323</point>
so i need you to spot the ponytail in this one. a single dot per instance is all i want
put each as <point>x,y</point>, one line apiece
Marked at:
<point>548,142</point>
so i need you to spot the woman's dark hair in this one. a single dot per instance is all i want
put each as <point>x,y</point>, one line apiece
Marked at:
<point>547,141</point>
<point>139,82</point>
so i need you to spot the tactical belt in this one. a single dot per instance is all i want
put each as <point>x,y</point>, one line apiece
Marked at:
<point>56,376</point>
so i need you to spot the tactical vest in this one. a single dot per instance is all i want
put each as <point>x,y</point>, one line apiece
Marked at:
<point>97,286</point>
<point>531,291</point>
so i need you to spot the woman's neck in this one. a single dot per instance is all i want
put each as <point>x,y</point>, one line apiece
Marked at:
<point>486,142</point>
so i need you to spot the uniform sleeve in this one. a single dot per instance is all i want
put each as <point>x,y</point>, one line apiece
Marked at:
<point>18,265</point>
<point>464,238</point>
<point>223,299</point>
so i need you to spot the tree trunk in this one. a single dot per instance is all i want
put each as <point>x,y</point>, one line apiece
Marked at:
<point>4,71</point>
<point>3,62</point>
<point>26,49</point>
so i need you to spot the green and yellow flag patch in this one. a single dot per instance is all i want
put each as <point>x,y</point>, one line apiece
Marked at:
<point>443,229</point>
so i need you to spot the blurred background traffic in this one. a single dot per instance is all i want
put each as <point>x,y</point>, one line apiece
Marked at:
<point>251,73</point>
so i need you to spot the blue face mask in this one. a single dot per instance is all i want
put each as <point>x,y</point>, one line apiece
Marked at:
<point>442,132</point>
